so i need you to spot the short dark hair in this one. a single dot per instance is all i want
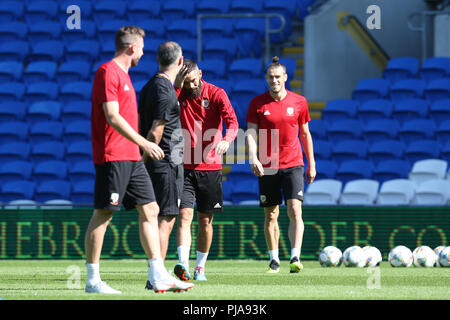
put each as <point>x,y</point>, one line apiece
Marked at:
<point>275,64</point>
<point>168,53</point>
<point>126,36</point>
<point>190,64</point>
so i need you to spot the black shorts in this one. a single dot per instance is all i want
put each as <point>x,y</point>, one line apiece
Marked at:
<point>167,182</point>
<point>287,182</point>
<point>205,188</point>
<point>122,182</point>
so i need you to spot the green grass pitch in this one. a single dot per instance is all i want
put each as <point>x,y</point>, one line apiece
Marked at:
<point>227,280</point>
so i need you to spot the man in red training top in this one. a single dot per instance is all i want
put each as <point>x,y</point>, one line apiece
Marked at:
<point>203,108</point>
<point>279,113</point>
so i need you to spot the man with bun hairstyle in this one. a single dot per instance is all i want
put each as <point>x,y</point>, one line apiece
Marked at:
<point>276,117</point>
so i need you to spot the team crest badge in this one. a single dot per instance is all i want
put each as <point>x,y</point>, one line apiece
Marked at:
<point>290,111</point>
<point>114,199</point>
<point>263,198</point>
<point>205,103</point>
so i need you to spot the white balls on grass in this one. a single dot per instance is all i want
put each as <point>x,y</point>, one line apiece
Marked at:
<point>437,251</point>
<point>354,257</point>
<point>330,257</point>
<point>444,257</point>
<point>400,256</point>
<point>424,256</point>
<point>372,256</point>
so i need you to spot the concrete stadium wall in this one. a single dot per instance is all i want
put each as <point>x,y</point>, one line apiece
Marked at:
<point>333,60</point>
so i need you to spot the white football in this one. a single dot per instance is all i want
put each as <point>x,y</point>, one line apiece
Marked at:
<point>354,257</point>
<point>437,251</point>
<point>400,256</point>
<point>372,256</point>
<point>330,257</point>
<point>444,257</point>
<point>424,256</point>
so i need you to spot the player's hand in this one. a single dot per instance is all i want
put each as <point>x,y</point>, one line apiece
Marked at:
<point>257,168</point>
<point>153,151</point>
<point>181,75</point>
<point>222,147</point>
<point>310,174</point>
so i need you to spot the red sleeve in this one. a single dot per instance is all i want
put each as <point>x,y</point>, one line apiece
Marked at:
<point>304,116</point>
<point>228,115</point>
<point>252,115</point>
<point>177,91</point>
<point>108,85</point>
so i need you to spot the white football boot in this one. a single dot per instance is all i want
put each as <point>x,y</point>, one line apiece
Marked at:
<point>101,287</point>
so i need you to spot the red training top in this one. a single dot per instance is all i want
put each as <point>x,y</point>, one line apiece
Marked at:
<point>286,117</point>
<point>201,119</point>
<point>111,83</point>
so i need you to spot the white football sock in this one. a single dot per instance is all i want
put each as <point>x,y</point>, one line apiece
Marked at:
<point>93,273</point>
<point>183,255</point>
<point>156,270</point>
<point>295,252</point>
<point>201,259</point>
<point>273,254</point>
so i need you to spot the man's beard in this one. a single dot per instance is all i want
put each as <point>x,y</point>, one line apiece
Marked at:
<point>194,93</point>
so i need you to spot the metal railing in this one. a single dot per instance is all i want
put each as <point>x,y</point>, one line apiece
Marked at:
<point>268,30</point>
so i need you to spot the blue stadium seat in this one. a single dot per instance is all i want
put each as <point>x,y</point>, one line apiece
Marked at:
<point>443,132</point>
<point>73,71</point>
<point>44,111</point>
<point>354,169</point>
<point>77,90</point>
<point>38,91</point>
<point>181,29</point>
<point>11,91</point>
<point>11,11</point>
<point>77,131</point>
<point>382,129</point>
<point>14,151</point>
<point>19,189</point>
<point>349,150</point>
<point>79,151</point>
<point>12,111</point>
<point>445,152</point>
<point>10,31</point>
<point>245,190</point>
<point>440,111</point>
<point>326,169</point>
<point>286,8</point>
<point>86,8</point>
<point>303,8</point>
<point>107,50</point>
<point>15,170</point>
<point>245,69</point>
<point>418,129</point>
<point>45,131</point>
<point>225,84</point>
<point>345,129</point>
<point>240,172</point>
<point>339,109</point>
<point>37,11</point>
<point>221,48</point>
<point>375,110</point>
<point>81,171</point>
<point>53,189</point>
<point>227,188</point>
<point>438,89</point>
<point>246,6</point>
<point>14,50</point>
<point>407,89</point>
<point>318,129</point>
<point>50,170</point>
<point>87,31</point>
<point>386,150</point>
<point>435,68</point>
<point>213,6</point>
<point>40,71</point>
<point>322,149</point>
<point>242,93</point>
<point>143,10</point>
<point>108,10</point>
<point>249,34</point>
<point>189,47</point>
<point>154,28</point>
<point>45,151</point>
<point>213,28</point>
<point>151,48</point>
<point>422,149</point>
<point>13,131</point>
<point>11,71</point>
<point>52,50</point>
<point>83,192</point>
<point>410,109</point>
<point>144,70</point>
<point>369,89</point>
<point>401,68</point>
<point>44,31</point>
<point>172,10</point>
<point>391,169</point>
<point>213,68</point>
<point>76,111</point>
<point>83,50</point>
